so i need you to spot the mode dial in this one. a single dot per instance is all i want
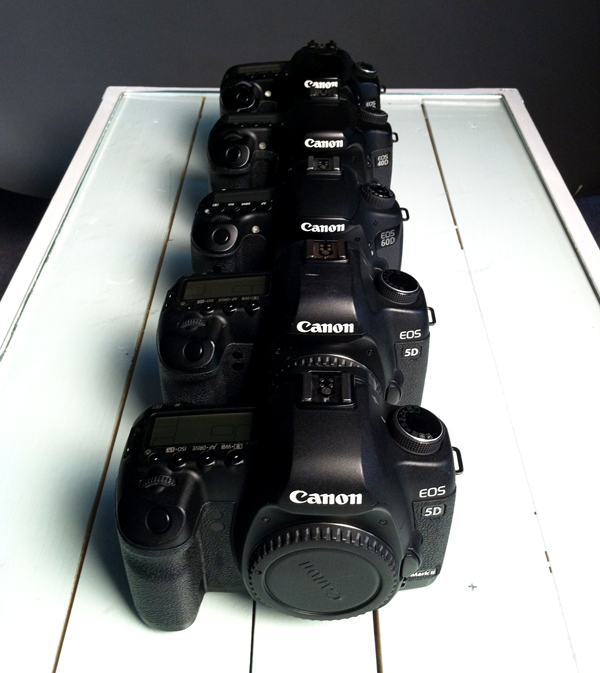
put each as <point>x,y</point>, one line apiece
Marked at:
<point>398,286</point>
<point>417,430</point>
<point>365,69</point>
<point>379,196</point>
<point>372,116</point>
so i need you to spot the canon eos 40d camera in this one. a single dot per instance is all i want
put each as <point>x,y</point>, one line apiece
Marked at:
<point>266,87</point>
<point>252,151</point>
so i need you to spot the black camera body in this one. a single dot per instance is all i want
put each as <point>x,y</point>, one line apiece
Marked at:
<point>256,150</point>
<point>242,231</point>
<point>219,335</point>
<point>320,506</point>
<point>292,461</point>
<point>206,338</point>
<point>269,87</point>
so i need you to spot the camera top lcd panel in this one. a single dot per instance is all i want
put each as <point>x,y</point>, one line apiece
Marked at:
<point>314,69</point>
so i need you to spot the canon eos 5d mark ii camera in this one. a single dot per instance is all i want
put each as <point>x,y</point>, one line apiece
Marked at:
<point>269,87</point>
<point>207,335</point>
<point>222,336</point>
<point>310,503</point>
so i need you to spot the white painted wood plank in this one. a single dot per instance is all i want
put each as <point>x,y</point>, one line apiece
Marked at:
<point>542,320</point>
<point>512,619</point>
<point>573,221</point>
<point>64,372</point>
<point>284,643</point>
<point>102,612</point>
<point>33,258</point>
<point>220,638</point>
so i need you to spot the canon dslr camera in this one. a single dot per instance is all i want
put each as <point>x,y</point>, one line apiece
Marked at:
<point>316,68</point>
<point>243,231</point>
<point>322,503</point>
<point>253,151</point>
<point>221,335</point>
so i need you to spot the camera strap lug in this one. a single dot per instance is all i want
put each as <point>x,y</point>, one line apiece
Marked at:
<point>461,468</point>
<point>432,318</point>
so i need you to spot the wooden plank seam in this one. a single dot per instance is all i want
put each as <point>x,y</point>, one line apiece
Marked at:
<point>128,380</point>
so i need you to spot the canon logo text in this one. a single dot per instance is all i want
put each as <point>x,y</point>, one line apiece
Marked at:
<point>304,498</point>
<point>325,327</point>
<point>323,144</point>
<point>310,84</point>
<point>322,228</point>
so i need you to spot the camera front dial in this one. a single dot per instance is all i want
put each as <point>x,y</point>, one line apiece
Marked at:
<point>323,571</point>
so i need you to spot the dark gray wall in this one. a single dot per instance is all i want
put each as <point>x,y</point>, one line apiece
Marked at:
<point>58,56</point>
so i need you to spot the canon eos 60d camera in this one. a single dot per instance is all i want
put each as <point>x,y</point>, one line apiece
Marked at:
<point>241,231</point>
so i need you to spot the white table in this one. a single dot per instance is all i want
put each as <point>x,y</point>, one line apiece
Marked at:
<point>513,274</point>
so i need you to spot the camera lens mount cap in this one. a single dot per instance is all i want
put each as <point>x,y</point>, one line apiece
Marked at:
<point>378,195</point>
<point>323,571</point>
<point>417,430</point>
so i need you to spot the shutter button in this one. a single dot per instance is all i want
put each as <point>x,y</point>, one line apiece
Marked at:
<point>221,236</point>
<point>158,521</point>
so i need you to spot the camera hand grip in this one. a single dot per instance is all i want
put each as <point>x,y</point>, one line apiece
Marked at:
<point>166,585</point>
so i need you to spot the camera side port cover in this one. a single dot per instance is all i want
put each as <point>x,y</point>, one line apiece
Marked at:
<point>323,571</point>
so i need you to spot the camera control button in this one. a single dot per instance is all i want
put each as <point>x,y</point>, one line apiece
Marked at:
<point>221,236</point>
<point>410,564</point>
<point>393,393</point>
<point>178,461</point>
<point>158,520</point>
<point>235,458</point>
<point>236,156</point>
<point>229,307</point>
<point>193,351</point>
